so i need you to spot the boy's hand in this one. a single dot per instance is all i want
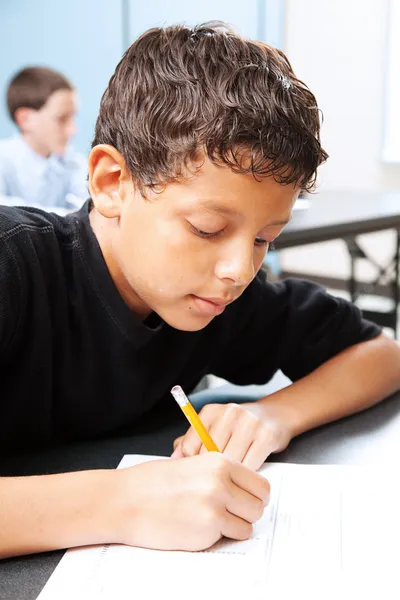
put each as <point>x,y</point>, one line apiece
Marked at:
<point>243,432</point>
<point>187,504</point>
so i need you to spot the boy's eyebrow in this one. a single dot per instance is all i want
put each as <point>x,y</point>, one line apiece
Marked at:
<point>212,205</point>
<point>280,222</point>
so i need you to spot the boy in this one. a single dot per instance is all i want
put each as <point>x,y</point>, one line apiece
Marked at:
<point>202,144</point>
<point>37,167</point>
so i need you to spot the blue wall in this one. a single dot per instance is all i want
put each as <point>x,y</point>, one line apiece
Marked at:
<point>81,38</point>
<point>86,38</point>
<point>255,19</point>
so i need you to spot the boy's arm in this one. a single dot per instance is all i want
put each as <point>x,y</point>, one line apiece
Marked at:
<point>351,381</point>
<point>135,506</point>
<point>49,512</point>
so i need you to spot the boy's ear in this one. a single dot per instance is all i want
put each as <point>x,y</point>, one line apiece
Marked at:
<point>107,175</point>
<point>22,116</point>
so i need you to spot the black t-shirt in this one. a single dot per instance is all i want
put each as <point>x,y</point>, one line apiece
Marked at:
<point>75,362</point>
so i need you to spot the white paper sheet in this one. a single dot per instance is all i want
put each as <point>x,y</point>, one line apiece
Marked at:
<point>328,532</point>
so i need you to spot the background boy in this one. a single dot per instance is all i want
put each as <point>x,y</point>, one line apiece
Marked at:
<point>38,167</point>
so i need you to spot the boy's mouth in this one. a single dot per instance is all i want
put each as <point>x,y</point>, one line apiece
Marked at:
<point>210,307</point>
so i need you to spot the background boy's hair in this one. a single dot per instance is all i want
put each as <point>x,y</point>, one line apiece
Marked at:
<point>179,91</point>
<point>32,87</point>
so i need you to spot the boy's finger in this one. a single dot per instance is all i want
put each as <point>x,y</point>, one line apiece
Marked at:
<point>238,446</point>
<point>177,442</point>
<point>177,453</point>
<point>191,443</point>
<point>254,483</point>
<point>236,528</point>
<point>244,505</point>
<point>221,434</point>
<point>256,455</point>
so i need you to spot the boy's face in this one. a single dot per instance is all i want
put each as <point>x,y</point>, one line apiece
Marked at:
<point>191,249</point>
<point>49,129</point>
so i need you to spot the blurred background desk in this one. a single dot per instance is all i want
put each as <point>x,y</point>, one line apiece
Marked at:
<point>346,215</point>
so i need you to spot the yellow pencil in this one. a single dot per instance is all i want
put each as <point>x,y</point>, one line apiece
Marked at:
<point>193,418</point>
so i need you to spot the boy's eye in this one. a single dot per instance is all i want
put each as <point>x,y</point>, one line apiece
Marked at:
<point>261,242</point>
<point>213,234</point>
<point>205,234</point>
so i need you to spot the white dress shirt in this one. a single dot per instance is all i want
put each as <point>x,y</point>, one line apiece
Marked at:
<point>29,179</point>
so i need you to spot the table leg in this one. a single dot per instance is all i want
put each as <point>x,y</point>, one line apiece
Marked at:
<point>396,281</point>
<point>392,271</point>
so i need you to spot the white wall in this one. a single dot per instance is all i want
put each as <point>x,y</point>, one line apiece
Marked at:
<point>338,47</point>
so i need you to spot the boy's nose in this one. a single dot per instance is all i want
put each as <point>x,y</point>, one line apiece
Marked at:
<point>71,129</point>
<point>239,269</point>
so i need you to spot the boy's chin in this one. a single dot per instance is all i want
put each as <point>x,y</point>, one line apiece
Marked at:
<point>189,322</point>
<point>59,149</point>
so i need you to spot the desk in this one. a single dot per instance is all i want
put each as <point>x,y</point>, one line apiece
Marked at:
<point>372,437</point>
<point>345,215</point>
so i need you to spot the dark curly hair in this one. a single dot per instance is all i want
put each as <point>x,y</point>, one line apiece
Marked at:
<point>179,91</point>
